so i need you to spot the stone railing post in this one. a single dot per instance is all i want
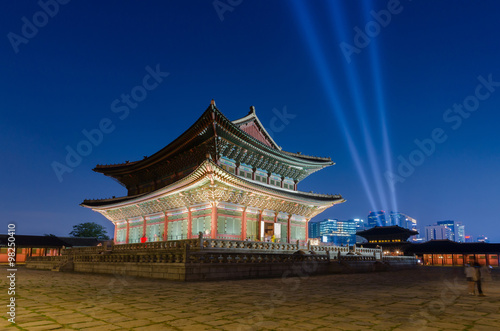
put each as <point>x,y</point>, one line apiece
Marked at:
<point>186,253</point>
<point>200,239</point>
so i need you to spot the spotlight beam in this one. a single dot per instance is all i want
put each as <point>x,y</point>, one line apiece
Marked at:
<point>330,87</point>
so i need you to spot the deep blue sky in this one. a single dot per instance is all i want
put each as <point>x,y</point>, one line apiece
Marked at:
<point>271,54</point>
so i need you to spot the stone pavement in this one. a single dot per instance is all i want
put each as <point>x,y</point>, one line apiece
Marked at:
<point>426,298</point>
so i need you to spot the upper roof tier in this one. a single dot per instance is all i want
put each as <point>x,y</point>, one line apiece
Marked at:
<point>244,140</point>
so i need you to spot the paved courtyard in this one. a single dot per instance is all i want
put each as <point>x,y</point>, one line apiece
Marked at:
<point>428,298</point>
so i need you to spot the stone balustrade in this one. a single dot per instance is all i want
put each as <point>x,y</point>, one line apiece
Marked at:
<point>83,250</point>
<point>330,249</point>
<point>334,250</point>
<point>207,250</point>
<point>157,245</point>
<point>199,257</point>
<point>60,258</point>
<point>208,243</point>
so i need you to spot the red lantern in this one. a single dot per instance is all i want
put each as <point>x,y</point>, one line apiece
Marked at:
<point>144,239</point>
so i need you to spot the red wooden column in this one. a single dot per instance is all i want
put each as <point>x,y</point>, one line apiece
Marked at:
<point>307,229</point>
<point>165,227</point>
<point>114,238</point>
<point>143,226</point>
<point>259,238</point>
<point>190,224</point>
<point>244,224</point>
<point>128,232</point>
<point>289,230</point>
<point>213,230</point>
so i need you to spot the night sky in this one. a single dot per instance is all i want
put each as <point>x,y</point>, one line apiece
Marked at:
<point>403,96</point>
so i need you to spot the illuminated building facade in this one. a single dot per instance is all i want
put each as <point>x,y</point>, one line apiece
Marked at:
<point>314,227</point>
<point>224,179</point>
<point>457,230</point>
<point>338,232</point>
<point>376,218</point>
<point>437,232</point>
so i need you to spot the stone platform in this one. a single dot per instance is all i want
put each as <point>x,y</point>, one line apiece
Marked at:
<point>424,298</point>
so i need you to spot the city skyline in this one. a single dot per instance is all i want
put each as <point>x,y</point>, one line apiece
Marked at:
<point>402,95</point>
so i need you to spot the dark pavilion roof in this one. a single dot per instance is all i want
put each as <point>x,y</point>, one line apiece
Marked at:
<point>202,170</point>
<point>213,125</point>
<point>452,247</point>
<point>386,231</point>
<point>48,241</point>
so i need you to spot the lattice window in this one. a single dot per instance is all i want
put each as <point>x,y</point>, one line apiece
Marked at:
<point>154,232</point>
<point>135,234</point>
<point>121,235</point>
<point>298,233</point>
<point>229,225</point>
<point>284,232</point>
<point>252,229</point>
<point>201,224</point>
<point>177,230</point>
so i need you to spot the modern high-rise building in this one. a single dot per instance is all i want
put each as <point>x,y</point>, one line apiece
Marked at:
<point>360,224</point>
<point>398,219</point>
<point>338,232</point>
<point>314,229</point>
<point>393,218</point>
<point>450,225</point>
<point>457,230</point>
<point>460,233</point>
<point>437,232</point>
<point>376,218</point>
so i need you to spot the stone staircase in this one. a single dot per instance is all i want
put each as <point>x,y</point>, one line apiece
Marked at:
<point>66,265</point>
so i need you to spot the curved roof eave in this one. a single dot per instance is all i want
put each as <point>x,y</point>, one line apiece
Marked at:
<point>208,167</point>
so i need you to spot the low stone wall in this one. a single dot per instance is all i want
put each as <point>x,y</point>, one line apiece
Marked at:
<point>202,259</point>
<point>400,262</point>
<point>227,270</point>
<point>45,262</point>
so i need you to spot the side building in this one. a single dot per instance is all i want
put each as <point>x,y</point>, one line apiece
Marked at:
<point>224,179</point>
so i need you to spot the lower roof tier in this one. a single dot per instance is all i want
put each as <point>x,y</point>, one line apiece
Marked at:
<point>211,183</point>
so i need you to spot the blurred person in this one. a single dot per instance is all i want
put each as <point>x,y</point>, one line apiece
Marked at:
<point>470,275</point>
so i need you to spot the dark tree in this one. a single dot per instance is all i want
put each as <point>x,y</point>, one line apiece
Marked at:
<point>89,229</point>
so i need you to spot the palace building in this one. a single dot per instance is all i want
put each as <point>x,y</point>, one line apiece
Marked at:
<point>224,179</point>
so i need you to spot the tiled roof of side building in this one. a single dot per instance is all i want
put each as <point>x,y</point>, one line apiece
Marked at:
<point>448,246</point>
<point>47,241</point>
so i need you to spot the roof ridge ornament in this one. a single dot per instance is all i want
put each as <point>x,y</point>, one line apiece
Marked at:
<point>212,103</point>
<point>252,110</point>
